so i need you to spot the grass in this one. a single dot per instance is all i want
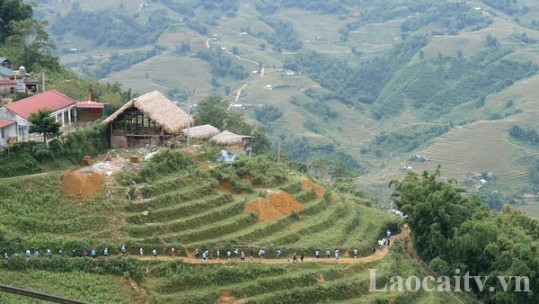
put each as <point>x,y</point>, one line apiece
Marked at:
<point>187,214</point>
<point>81,286</point>
<point>531,210</point>
<point>30,207</point>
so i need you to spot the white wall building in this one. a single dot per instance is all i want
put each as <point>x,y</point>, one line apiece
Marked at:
<point>62,108</point>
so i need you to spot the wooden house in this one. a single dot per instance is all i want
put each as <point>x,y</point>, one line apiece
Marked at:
<point>145,120</point>
<point>88,111</point>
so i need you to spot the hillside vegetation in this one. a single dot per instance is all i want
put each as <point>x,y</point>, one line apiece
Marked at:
<point>365,83</point>
<point>176,201</point>
<point>339,101</point>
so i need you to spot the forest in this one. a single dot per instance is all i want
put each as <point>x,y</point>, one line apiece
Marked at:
<point>110,29</point>
<point>527,134</point>
<point>455,80</point>
<point>221,65</point>
<point>453,231</point>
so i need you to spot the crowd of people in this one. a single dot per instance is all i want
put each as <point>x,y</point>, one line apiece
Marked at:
<point>205,254</point>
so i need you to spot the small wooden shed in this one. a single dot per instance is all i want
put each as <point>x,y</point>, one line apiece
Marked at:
<point>233,142</point>
<point>203,132</point>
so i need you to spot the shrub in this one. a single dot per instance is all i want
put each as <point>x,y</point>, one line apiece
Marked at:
<point>165,162</point>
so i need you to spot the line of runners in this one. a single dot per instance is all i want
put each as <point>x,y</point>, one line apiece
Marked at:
<point>205,255</point>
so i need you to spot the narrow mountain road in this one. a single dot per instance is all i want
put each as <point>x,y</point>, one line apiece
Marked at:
<point>238,95</point>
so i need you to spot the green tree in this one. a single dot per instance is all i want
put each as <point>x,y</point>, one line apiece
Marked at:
<point>213,111</point>
<point>435,208</point>
<point>183,48</point>
<point>31,41</point>
<point>260,142</point>
<point>42,122</point>
<point>320,168</point>
<point>12,11</point>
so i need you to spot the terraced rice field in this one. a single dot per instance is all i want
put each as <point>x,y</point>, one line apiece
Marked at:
<point>286,282</point>
<point>205,209</point>
<point>485,145</point>
<point>187,212</point>
<point>475,148</point>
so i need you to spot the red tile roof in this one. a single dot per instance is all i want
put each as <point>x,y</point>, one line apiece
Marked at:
<point>51,100</point>
<point>5,122</point>
<point>90,105</point>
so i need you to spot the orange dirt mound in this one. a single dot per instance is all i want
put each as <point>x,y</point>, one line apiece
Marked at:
<point>82,183</point>
<point>226,297</point>
<point>319,190</point>
<point>274,205</point>
<point>227,186</point>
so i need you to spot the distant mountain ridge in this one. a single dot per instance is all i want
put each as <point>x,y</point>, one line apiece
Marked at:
<point>365,83</point>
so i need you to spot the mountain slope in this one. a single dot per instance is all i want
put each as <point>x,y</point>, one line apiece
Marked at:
<point>384,81</point>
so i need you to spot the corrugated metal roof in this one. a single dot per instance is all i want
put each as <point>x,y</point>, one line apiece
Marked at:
<point>5,122</point>
<point>51,100</point>
<point>6,71</point>
<point>90,105</point>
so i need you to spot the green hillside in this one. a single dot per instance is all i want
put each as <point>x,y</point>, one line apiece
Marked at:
<point>365,83</point>
<point>357,93</point>
<point>177,201</point>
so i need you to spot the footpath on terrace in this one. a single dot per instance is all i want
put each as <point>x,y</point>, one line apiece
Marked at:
<point>378,255</point>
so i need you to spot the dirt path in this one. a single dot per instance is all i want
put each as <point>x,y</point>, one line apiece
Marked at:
<point>238,95</point>
<point>380,254</point>
<point>140,7</point>
<point>129,283</point>
<point>31,175</point>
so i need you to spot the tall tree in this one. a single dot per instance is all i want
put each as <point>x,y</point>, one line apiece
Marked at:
<point>32,40</point>
<point>435,208</point>
<point>42,122</point>
<point>213,111</point>
<point>12,11</point>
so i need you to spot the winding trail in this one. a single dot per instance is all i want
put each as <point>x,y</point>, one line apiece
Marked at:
<point>380,254</point>
<point>31,175</point>
<point>238,95</point>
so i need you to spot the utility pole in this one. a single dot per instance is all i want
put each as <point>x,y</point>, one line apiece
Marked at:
<point>279,151</point>
<point>189,116</point>
<point>188,123</point>
<point>43,74</point>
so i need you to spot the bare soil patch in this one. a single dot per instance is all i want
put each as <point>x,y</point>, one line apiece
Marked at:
<point>319,190</point>
<point>274,205</point>
<point>227,186</point>
<point>82,183</point>
<point>226,297</point>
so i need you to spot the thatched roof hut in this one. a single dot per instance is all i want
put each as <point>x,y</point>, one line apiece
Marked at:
<point>203,132</point>
<point>233,142</point>
<point>159,109</point>
<point>227,138</point>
